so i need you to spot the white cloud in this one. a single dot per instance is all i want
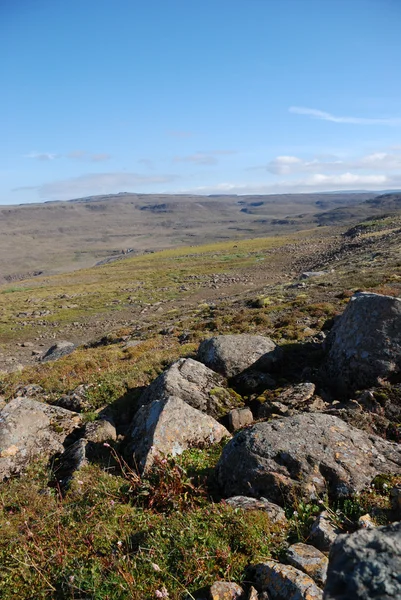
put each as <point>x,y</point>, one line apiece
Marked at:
<point>204,158</point>
<point>96,183</point>
<point>318,182</point>
<point>42,155</point>
<point>197,159</point>
<point>325,116</point>
<point>378,161</point>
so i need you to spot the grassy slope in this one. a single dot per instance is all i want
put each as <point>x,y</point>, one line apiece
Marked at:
<point>103,539</point>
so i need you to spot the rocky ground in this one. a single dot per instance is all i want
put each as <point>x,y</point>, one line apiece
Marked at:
<point>231,433</point>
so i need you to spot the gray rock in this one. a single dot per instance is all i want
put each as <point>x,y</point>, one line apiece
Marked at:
<point>310,560</point>
<point>323,532</point>
<point>195,384</point>
<point>77,400</point>
<point>32,390</point>
<point>292,397</point>
<point>365,343</point>
<point>226,590</point>
<point>168,427</point>
<point>283,582</point>
<point>366,565</point>
<point>275,512</point>
<point>58,350</point>
<point>31,430</point>
<point>239,418</point>
<point>395,497</point>
<point>232,354</point>
<point>99,431</point>
<point>307,454</point>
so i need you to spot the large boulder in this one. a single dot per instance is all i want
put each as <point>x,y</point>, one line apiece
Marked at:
<point>232,354</point>
<point>365,343</point>
<point>29,430</point>
<point>167,427</point>
<point>366,565</point>
<point>195,384</point>
<point>305,454</point>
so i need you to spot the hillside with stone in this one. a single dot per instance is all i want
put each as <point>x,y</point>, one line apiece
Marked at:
<point>219,422</point>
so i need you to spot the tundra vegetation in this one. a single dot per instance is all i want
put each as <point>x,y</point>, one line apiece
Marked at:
<point>114,532</point>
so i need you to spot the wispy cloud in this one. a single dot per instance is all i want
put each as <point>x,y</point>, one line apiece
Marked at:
<point>198,159</point>
<point>325,116</point>
<point>96,183</point>
<point>42,155</point>
<point>88,156</point>
<point>204,158</point>
<point>180,134</point>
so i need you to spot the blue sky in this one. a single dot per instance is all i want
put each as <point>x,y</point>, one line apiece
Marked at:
<point>202,96</point>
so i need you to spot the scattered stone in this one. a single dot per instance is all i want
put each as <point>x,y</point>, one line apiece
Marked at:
<point>77,400</point>
<point>195,384</point>
<point>366,565</point>
<point>365,343</point>
<point>226,590</point>
<point>288,399</point>
<point>58,350</point>
<point>239,418</point>
<point>323,532</point>
<point>167,427</point>
<point>309,274</point>
<point>31,430</point>
<point>276,513</point>
<point>232,354</point>
<point>310,560</point>
<point>283,582</point>
<point>32,390</point>
<point>307,454</point>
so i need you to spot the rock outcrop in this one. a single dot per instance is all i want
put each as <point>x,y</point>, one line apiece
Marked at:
<point>310,560</point>
<point>167,427</point>
<point>30,430</point>
<point>58,350</point>
<point>307,454</point>
<point>366,565</point>
<point>195,384</point>
<point>364,345</point>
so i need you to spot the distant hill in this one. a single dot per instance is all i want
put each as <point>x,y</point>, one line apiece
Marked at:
<point>61,236</point>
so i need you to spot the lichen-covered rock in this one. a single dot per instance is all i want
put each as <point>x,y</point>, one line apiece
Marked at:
<point>283,582</point>
<point>239,418</point>
<point>31,430</point>
<point>366,565</point>
<point>195,384</point>
<point>168,427</point>
<point>305,454</point>
<point>226,590</point>
<point>232,354</point>
<point>276,513</point>
<point>310,560</point>
<point>323,532</point>
<point>365,343</point>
